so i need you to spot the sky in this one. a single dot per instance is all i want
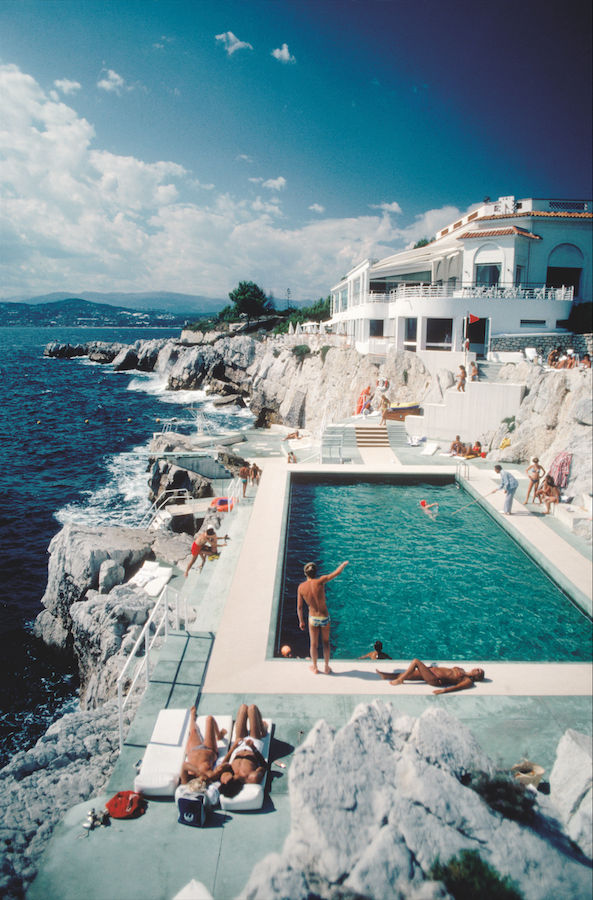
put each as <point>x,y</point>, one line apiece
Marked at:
<point>186,146</point>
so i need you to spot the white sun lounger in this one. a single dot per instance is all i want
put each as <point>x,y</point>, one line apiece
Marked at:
<point>165,753</point>
<point>430,449</point>
<point>251,796</point>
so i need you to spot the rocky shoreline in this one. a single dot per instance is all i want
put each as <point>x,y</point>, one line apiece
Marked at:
<point>93,614</point>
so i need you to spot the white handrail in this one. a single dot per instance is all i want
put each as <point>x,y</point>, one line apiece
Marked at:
<point>148,644</point>
<point>162,500</point>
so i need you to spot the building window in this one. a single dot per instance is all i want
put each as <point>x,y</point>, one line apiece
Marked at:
<point>452,283</point>
<point>375,328</point>
<point>438,334</point>
<point>527,323</point>
<point>488,274</point>
<point>410,335</point>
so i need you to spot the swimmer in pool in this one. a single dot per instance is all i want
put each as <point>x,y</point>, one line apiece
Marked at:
<point>376,653</point>
<point>312,593</point>
<point>444,679</point>
<point>431,509</point>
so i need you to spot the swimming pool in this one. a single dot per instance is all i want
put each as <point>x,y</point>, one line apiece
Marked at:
<point>455,588</point>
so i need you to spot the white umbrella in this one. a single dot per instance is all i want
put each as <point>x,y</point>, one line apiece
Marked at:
<point>290,328</point>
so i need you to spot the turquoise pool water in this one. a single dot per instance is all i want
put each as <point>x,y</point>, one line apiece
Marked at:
<point>455,588</point>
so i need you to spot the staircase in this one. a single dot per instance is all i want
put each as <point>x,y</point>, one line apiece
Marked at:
<point>397,434</point>
<point>489,371</point>
<point>371,436</point>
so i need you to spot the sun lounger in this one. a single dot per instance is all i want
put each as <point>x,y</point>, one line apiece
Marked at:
<point>164,754</point>
<point>161,764</point>
<point>251,796</point>
<point>152,577</point>
<point>430,449</point>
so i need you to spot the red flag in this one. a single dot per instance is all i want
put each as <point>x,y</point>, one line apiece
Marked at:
<point>472,319</point>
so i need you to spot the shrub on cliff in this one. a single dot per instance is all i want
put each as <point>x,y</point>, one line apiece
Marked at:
<point>468,876</point>
<point>301,351</point>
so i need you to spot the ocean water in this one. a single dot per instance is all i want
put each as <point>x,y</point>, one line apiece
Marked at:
<point>451,589</point>
<point>55,467</point>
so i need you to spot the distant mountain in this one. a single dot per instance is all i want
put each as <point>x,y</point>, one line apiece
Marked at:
<point>161,300</point>
<point>73,311</point>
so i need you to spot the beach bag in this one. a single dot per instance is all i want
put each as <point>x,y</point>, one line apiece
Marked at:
<point>194,809</point>
<point>126,805</point>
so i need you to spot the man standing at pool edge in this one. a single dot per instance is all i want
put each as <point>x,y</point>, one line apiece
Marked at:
<point>312,592</point>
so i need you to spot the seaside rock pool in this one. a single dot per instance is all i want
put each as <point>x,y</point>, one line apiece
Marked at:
<point>456,588</point>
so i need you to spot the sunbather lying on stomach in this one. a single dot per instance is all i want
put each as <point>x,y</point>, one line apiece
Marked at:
<point>201,752</point>
<point>244,763</point>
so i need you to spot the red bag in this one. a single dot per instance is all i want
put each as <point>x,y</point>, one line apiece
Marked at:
<point>126,805</point>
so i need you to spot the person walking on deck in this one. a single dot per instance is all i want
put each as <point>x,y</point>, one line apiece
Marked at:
<point>312,593</point>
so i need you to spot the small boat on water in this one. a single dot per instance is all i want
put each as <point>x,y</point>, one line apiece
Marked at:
<point>398,412</point>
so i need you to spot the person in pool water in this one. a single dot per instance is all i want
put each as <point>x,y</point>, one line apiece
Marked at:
<point>444,679</point>
<point>312,593</point>
<point>431,509</point>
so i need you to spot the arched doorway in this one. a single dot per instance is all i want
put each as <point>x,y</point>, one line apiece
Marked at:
<point>565,267</point>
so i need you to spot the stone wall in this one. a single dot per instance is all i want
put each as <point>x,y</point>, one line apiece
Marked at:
<point>505,343</point>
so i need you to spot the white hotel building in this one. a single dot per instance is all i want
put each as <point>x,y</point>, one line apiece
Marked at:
<point>514,265</point>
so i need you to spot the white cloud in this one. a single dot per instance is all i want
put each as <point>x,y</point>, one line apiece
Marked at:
<point>275,184</point>
<point>283,54</point>
<point>111,82</point>
<point>232,43</point>
<point>66,86</point>
<point>243,157</point>
<point>317,207</point>
<point>75,216</point>
<point>393,207</point>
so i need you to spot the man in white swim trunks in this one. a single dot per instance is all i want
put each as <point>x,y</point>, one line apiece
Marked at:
<point>312,592</point>
<point>244,763</point>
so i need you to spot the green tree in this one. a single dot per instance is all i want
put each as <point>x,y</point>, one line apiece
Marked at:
<point>423,242</point>
<point>250,300</point>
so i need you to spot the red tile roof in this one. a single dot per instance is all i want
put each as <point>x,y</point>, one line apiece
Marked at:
<point>499,232</point>
<point>539,212</point>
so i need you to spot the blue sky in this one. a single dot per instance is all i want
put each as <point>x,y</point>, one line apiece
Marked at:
<point>184,146</point>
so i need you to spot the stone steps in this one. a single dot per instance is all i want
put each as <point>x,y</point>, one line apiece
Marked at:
<point>371,436</point>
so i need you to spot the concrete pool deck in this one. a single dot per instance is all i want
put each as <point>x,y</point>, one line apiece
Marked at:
<point>224,659</point>
<point>241,662</point>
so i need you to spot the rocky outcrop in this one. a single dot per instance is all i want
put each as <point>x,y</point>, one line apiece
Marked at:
<point>98,351</point>
<point>375,804</point>
<point>555,416</point>
<point>71,763</point>
<point>76,556</point>
<point>571,782</point>
<point>88,611</point>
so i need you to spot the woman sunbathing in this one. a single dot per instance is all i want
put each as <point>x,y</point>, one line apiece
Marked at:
<point>446,680</point>
<point>201,752</point>
<point>244,763</point>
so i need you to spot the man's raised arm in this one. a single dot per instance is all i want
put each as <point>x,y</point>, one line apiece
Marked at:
<point>338,571</point>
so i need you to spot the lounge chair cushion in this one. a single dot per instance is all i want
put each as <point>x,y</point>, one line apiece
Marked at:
<point>251,796</point>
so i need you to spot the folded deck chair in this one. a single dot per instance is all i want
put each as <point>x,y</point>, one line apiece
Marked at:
<point>251,796</point>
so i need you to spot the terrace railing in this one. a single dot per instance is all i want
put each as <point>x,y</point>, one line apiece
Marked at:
<point>470,291</point>
<point>156,624</point>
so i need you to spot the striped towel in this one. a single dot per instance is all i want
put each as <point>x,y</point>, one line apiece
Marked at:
<point>560,469</point>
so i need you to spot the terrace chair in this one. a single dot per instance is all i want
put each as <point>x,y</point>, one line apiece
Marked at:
<point>531,354</point>
<point>251,796</point>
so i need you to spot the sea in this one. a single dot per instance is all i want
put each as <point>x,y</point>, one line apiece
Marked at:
<point>74,441</point>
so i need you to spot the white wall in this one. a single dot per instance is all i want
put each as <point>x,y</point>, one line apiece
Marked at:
<point>481,408</point>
